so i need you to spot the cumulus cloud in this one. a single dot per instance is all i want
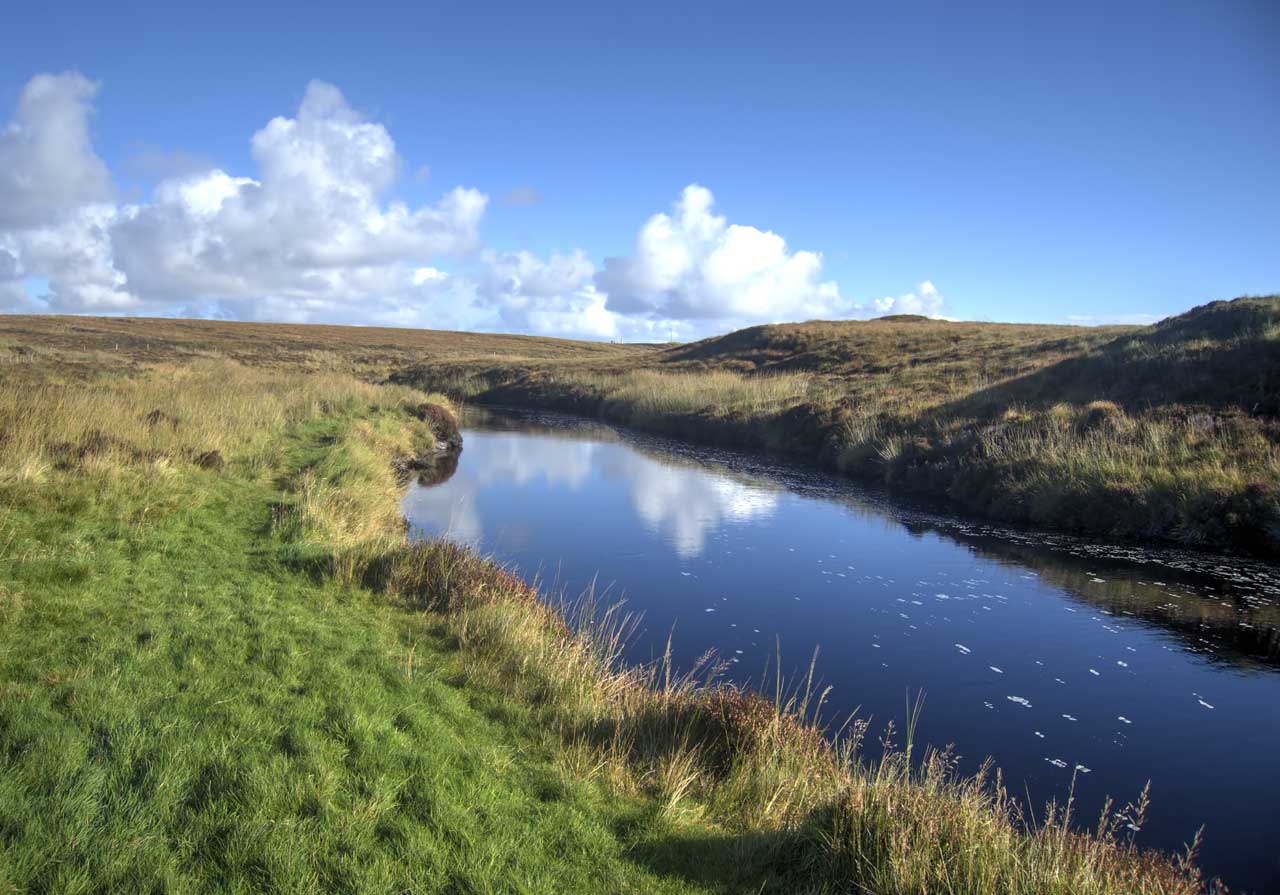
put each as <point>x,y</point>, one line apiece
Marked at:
<point>76,259</point>
<point>311,227</point>
<point>691,274</point>
<point>552,296</point>
<point>312,236</point>
<point>315,233</point>
<point>692,264</point>
<point>55,199</point>
<point>48,168</point>
<point>13,295</point>
<point>925,300</point>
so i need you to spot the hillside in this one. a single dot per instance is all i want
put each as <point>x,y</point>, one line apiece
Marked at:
<point>89,345</point>
<point>1168,431</point>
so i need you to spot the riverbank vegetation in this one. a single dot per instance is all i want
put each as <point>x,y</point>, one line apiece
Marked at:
<point>1167,432</point>
<point>225,667</point>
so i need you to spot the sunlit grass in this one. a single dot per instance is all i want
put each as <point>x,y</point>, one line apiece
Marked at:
<point>245,677</point>
<point>1167,432</point>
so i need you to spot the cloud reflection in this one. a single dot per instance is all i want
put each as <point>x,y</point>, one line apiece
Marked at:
<point>682,504</point>
<point>451,510</point>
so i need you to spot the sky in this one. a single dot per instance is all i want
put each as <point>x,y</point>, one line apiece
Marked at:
<point>638,171</point>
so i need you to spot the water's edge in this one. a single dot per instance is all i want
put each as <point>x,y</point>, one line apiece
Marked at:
<point>1206,636</point>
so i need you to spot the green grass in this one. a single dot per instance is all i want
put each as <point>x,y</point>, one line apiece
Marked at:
<point>223,666</point>
<point>242,677</point>
<point>183,710</point>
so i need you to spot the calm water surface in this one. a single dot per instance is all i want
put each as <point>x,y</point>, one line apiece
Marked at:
<point>1056,657</point>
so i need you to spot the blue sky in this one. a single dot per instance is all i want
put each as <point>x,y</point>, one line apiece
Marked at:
<point>1009,162</point>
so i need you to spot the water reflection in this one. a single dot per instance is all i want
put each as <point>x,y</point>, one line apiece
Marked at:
<point>1065,660</point>
<point>684,504</point>
<point>1237,625</point>
<point>680,500</point>
<point>1226,609</point>
<point>452,510</point>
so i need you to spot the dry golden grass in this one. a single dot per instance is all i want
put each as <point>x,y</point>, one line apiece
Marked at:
<point>203,412</point>
<point>1164,432</point>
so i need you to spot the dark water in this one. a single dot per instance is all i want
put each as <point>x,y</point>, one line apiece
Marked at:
<point>1056,657</point>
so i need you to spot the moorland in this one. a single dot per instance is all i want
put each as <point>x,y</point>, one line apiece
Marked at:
<point>224,666</point>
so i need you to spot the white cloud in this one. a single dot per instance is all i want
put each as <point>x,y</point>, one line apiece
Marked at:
<point>925,301</point>
<point>48,168</point>
<point>312,236</point>
<point>552,297</point>
<point>13,295</point>
<point>692,274</point>
<point>55,198</point>
<point>76,259</point>
<point>316,234</point>
<point>311,228</point>
<point>694,265</point>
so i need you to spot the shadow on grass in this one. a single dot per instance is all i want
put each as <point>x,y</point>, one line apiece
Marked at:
<point>749,862</point>
<point>1214,356</point>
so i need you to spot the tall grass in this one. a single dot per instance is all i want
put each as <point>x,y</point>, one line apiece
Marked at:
<point>1168,432</point>
<point>653,393</point>
<point>169,414</point>
<point>1196,477</point>
<point>963,410</point>
<point>705,752</point>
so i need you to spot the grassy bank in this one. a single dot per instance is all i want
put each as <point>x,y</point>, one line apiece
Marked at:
<point>224,668</point>
<point>1165,432</point>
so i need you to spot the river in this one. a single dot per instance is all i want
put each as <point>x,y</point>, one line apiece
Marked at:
<point>1062,659</point>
